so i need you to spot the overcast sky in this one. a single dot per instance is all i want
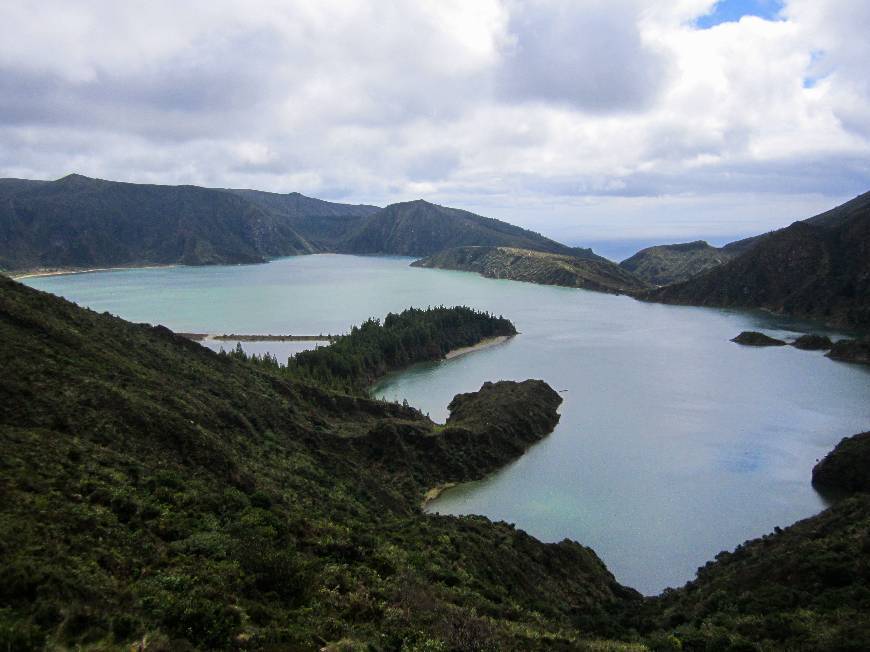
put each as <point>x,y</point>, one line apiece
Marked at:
<point>587,120</point>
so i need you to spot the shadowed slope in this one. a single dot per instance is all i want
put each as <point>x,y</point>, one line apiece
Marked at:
<point>418,228</point>
<point>82,222</point>
<point>816,269</point>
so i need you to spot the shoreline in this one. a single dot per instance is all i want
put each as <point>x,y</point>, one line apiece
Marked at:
<point>233,337</point>
<point>435,492</point>
<point>483,344</point>
<point>73,270</point>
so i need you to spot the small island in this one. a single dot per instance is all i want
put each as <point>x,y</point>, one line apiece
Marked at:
<point>754,338</point>
<point>812,342</point>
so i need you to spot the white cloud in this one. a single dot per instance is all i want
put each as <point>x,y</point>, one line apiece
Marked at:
<point>494,105</point>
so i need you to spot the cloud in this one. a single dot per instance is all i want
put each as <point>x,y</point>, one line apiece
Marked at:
<point>589,55</point>
<point>494,105</point>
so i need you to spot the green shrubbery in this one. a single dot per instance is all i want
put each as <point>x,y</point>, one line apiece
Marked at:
<point>151,490</point>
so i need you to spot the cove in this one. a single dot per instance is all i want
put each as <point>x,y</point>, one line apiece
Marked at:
<point>674,443</point>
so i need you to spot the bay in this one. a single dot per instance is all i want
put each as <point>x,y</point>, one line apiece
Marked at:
<point>674,443</point>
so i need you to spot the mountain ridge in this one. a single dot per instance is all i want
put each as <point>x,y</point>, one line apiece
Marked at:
<point>675,263</point>
<point>421,228</point>
<point>78,222</point>
<point>817,269</point>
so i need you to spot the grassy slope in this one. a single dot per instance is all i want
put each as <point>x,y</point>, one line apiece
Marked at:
<point>666,264</point>
<point>150,486</point>
<point>536,267</point>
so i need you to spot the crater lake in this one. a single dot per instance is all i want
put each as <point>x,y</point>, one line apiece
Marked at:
<point>674,443</point>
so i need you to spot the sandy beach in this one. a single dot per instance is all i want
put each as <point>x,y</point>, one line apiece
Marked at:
<point>490,341</point>
<point>63,272</point>
<point>434,492</point>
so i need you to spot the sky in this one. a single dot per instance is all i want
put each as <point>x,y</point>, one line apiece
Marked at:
<point>587,120</point>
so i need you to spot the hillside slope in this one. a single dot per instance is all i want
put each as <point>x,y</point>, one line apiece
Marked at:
<point>82,222</point>
<point>78,222</point>
<point>536,267</point>
<point>159,495</point>
<point>418,228</point>
<point>155,491</point>
<point>323,224</point>
<point>666,264</point>
<point>816,269</point>
<point>802,587</point>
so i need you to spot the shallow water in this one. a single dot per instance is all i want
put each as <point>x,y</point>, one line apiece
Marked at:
<point>673,444</point>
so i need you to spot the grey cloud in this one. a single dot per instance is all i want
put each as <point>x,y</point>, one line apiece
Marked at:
<point>432,165</point>
<point>198,92</point>
<point>587,55</point>
<point>359,107</point>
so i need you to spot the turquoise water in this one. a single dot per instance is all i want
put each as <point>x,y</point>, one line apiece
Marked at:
<point>674,443</point>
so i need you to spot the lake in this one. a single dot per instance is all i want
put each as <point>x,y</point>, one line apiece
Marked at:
<point>673,444</point>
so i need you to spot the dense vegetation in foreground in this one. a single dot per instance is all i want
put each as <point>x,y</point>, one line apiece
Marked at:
<point>804,587</point>
<point>156,493</point>
<point>589,272</point>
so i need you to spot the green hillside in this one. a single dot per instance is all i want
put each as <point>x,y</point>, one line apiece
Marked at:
<point>816,269</point>
<point>156,491</point>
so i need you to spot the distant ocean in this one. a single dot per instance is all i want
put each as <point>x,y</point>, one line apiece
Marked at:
<point>619,250</point>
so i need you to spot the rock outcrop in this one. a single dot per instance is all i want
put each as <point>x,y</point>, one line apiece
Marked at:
<point>851,351</point>
<point>812,342</point>
<point>754,338</point>
<point>847,467</point>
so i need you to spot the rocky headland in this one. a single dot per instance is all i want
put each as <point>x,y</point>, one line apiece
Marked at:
<point>847,467</point>
<point>537,267</point>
